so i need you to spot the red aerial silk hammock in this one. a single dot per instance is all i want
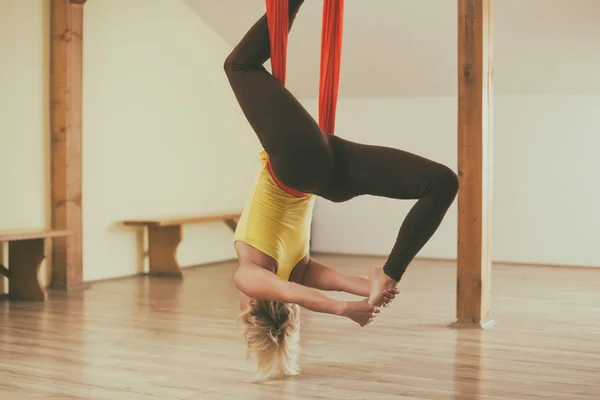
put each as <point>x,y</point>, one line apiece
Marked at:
<point>278,21</point>
<point>331,53</point>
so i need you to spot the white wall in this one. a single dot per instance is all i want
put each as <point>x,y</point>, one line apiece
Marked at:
<point>545,182</point>
<point>407,48</point>
<point>163,134</point>
<point>24,118</point>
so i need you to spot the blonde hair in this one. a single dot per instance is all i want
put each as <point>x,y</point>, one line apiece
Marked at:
<point>272,332</point>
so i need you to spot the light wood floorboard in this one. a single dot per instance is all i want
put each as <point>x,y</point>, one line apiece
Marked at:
<point>157,338</point>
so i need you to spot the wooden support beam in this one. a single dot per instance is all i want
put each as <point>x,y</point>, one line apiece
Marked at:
<point>66,126</point>
<point>475,109</point>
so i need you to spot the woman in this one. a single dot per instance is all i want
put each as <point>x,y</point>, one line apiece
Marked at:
<point>276,273</point>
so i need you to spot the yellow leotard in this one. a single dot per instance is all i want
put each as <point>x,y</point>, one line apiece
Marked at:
<point>275,222</point>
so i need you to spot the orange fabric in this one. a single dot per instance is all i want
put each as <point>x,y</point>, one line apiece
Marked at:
<point>278,21</point>
<point>331,54</point>
<point>331,47</point>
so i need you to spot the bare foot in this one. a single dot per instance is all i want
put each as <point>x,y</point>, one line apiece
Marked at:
<point>381,287</point>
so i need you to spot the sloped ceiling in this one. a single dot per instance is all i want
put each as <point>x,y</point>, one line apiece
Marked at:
<point>396,48</point>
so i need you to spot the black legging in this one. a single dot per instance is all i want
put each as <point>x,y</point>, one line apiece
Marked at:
<point>306,159</point>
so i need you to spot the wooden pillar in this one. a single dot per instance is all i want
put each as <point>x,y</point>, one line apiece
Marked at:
<point>66,116</point>
<point>475,91</point>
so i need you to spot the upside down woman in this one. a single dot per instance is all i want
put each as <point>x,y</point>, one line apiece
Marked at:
<point>277,275</point>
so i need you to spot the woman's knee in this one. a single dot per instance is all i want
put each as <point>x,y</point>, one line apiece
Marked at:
<point>230,63</point>
<point>235,63</point>
<point>446,182</point>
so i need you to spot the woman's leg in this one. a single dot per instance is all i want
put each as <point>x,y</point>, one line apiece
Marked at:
<point>298,150</point>
<point>381,171</point>
<point>320,276</point>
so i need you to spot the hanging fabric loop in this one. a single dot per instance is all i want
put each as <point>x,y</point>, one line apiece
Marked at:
<point>331,50</point>
<point>278,22</point>
<point>331,54</point>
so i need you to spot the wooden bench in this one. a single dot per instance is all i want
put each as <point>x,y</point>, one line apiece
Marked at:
<point>165,234</point>
<point>26,251</point>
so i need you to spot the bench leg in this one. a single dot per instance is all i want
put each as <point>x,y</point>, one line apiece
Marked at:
<point>162,250</point>
<point>232,223</point>
<point>25,259</point>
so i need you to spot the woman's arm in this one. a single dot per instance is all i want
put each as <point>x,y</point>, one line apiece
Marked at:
<point>319,276</point>
<point>258,283</point>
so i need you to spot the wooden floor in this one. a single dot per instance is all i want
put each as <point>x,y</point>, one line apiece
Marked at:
<point>152,338</point>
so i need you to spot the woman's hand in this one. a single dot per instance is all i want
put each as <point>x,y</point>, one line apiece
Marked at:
<point>360,312</point>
